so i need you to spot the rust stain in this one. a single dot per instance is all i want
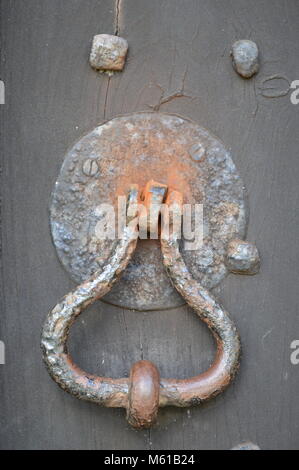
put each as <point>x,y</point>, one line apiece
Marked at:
<point>168,168</point>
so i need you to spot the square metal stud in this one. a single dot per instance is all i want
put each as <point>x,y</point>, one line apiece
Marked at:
<point>108,52</point>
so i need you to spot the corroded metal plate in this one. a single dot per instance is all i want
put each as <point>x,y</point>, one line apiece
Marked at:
<point>135,149</point>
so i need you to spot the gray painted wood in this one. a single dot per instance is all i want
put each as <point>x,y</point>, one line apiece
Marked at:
<point>52,98</point>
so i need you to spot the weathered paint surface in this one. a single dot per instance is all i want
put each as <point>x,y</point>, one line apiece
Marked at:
<point>52,98</point>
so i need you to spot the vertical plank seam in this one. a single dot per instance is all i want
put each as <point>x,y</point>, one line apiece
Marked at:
<point>118,5</point>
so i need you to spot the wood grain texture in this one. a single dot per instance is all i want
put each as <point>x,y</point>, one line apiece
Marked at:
<point>177,48</point>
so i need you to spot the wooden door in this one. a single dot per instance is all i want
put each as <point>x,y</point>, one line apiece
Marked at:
<point>178,62</point>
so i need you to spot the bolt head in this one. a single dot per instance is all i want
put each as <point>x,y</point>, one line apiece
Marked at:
<point>245,58</point>
<point>242,257</point>
<point>246,446</point>
<point>197,152</point>
<point>90,167</point>
<point>108,52</point>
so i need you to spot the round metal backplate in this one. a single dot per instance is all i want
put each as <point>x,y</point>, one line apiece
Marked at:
<point>134,149</point>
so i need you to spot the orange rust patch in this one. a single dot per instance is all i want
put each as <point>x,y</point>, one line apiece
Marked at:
<point>160,166</point>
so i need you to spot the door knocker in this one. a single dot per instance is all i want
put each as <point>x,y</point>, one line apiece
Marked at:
<point>160,159</point>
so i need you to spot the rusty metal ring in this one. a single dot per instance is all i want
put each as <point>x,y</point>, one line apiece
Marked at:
<point>195,390</point>
<point>143,392</point>
<point>100,390</point>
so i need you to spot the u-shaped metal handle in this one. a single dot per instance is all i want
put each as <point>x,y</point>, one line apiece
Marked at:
<point>144,391</point>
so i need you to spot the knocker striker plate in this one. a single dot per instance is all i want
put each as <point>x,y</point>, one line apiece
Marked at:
<point>135,149</point>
